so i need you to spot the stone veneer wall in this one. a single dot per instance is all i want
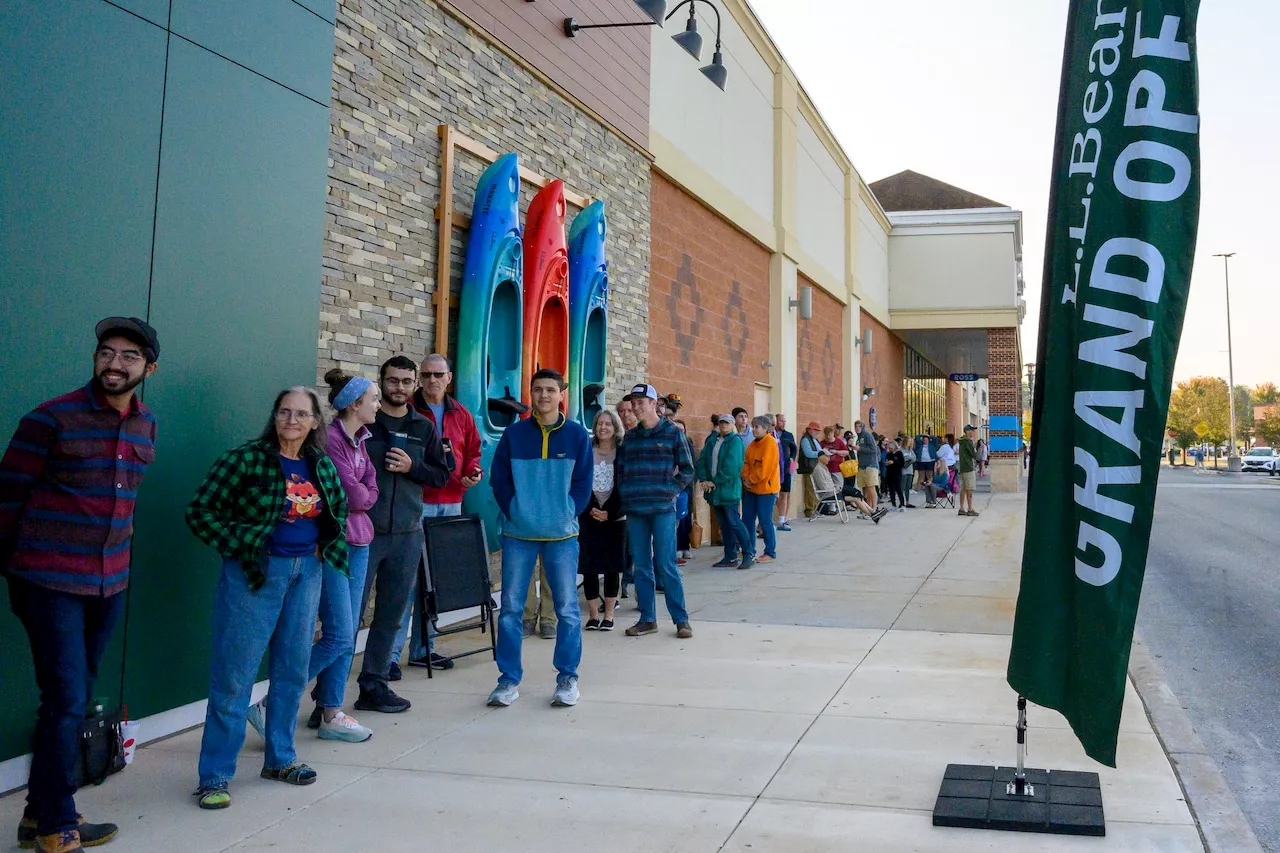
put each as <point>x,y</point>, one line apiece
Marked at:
<point>400,69</point>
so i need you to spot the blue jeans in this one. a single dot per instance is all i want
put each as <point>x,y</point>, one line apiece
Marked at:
<point>419,647</point>
<point>652,539</point>
<point>339,622</point>
<point>560,560</point>
<point>68,634</point>
<point>735,536</point>
<point>760,508</point>
<point>280,617</point>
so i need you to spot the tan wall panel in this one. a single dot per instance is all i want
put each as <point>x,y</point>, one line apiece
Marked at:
<point>819,366</point>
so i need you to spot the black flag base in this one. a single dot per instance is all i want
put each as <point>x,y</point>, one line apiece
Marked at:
<point>1063,802</point>
<point>1015,799</point>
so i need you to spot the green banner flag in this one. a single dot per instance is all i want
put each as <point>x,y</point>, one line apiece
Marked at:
<point>1123,208</point>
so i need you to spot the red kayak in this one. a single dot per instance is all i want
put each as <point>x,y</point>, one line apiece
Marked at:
<point>546,287</point>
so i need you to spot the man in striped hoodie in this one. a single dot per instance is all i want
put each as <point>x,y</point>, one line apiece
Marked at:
<point>654,467</point>
<point>542,482</point>
<point>68,483</point>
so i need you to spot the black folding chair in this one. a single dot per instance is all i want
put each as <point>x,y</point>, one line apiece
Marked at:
<point>454,575</point>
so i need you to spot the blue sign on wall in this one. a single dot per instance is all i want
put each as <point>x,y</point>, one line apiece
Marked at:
<point>964,377</point>
<point>1004,423</point>
<point>871,417</point>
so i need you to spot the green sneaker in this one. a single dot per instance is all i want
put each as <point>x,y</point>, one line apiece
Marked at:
<point>213,797</point>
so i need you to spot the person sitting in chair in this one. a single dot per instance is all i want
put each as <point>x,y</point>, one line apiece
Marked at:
<point>826,489</point>
<point>937,487</point>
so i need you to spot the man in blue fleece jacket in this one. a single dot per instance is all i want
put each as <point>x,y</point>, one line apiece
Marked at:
<point>541,477</point>
<point>654,467</point>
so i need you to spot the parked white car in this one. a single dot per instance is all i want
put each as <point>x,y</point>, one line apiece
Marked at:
<point>1262,459</point>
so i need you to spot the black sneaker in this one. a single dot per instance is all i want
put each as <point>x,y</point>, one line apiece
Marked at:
<point>381,699</point>
<point>623,593</point>
<point>641,628</point>
<point>440,662</point>
<point>606,625</point>
<point>394,673</point>
<point>91,834</point>
<point>592,625</point>
<point>313,722</point>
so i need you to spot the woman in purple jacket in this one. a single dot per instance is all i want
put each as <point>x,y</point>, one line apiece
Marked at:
<point>356,399</point>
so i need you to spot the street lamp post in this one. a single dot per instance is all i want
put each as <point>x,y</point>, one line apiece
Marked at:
<point>1233,459</point>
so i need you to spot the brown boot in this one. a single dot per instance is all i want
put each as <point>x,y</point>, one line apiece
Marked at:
<point>66,841</point>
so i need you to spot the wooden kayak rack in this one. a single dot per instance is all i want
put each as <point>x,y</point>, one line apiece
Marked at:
<point>452,141</point>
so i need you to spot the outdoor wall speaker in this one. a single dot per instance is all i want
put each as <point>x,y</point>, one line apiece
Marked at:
<point>866,342</point>
<point>806,302</point>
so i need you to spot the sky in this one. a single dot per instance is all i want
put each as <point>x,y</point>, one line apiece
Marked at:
<point>967,93</point>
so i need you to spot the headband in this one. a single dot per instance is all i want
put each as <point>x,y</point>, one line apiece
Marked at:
<point>351,392</point>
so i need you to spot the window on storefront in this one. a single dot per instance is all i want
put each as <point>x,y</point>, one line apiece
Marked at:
<point>924,394</point>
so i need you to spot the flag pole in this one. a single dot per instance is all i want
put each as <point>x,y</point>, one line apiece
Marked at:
<point>1019,787</point>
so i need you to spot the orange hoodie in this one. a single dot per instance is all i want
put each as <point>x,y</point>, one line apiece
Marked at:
<point>760,470</point>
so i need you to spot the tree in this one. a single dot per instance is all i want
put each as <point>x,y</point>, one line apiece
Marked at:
<point>1265,394</point>
<point>1268,428</point>
<point>1244,415</point>
<point>1201,400</point>
<point>1186,440</point>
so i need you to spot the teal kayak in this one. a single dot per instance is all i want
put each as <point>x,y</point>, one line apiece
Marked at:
<point>490,320</point>
<point>588,314</point>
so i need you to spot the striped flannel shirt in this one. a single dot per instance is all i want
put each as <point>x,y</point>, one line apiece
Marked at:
<point>68,482</point>
<point>654,467</point>
<point>242,499</point>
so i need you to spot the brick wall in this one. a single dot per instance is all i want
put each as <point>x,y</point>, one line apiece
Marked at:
<point>820,360</point>
<point>400,69</point>
<point>883,371</point>
<point>708,311</point>
<point>1004,379</point>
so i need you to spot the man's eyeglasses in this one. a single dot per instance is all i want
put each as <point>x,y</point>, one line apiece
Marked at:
<point>129,357</point>
<point>299,415</point>
<point>432,374</point>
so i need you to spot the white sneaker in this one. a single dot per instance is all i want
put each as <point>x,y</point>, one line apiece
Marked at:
<point>503,695</point>
<point>344,728</point>
<point>566,695</point>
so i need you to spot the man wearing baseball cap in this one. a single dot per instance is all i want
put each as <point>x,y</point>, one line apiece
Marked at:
<point>967,468</point>
<point>68,482</point>
<point>654,466</point>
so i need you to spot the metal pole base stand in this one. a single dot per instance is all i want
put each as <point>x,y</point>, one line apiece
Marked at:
<point>1062,802</point>
<point>1016,799</point>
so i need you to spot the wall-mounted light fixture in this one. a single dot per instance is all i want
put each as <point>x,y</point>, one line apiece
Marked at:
<point>690,39</point>
<point>766,364</point>
<point>868,392</point>
<point>804,303</point>
<point>864,342</point>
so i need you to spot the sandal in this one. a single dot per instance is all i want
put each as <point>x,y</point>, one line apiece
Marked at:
<point>213,797</point>
<point>296,773</point>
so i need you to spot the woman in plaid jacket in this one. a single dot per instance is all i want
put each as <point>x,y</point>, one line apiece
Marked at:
<point>275,510</point>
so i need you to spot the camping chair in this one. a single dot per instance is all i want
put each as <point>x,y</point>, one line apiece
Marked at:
<point>454,575</point>
<point>828,495</point>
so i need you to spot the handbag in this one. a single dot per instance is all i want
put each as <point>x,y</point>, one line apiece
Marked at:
<point>101,750</point>
<point>849,468</point>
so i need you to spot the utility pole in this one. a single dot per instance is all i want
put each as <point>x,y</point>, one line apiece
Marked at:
<point>1233,459</point>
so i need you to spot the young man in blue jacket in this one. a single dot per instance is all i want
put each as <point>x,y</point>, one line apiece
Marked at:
<point>654,467</point>
<point>541,480</point>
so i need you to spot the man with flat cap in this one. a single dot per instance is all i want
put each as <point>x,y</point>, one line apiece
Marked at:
<point>68,482</point>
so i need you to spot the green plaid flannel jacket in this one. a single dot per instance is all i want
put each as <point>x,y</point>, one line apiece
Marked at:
<point>242,500</point>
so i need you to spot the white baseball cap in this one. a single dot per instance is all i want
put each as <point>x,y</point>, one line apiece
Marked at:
<point>644,391</point>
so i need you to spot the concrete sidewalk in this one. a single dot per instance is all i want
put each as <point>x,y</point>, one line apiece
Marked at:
<point>815,709</point>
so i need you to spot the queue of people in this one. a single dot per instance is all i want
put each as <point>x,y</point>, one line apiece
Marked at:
<point>314,517</point>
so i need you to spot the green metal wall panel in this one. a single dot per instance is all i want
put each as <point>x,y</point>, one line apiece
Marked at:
<point>155,11</point>
<point>276,38</point>
<point>235,298</point>
<point>79,142</point>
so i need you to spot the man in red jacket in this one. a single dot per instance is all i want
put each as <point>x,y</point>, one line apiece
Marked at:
<point>458,431</point>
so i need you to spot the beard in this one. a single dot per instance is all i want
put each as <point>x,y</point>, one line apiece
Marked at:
<point>117,386</point>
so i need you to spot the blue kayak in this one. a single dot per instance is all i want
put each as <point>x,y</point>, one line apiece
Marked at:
<point>490,323</point>
<point>588,314</point>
